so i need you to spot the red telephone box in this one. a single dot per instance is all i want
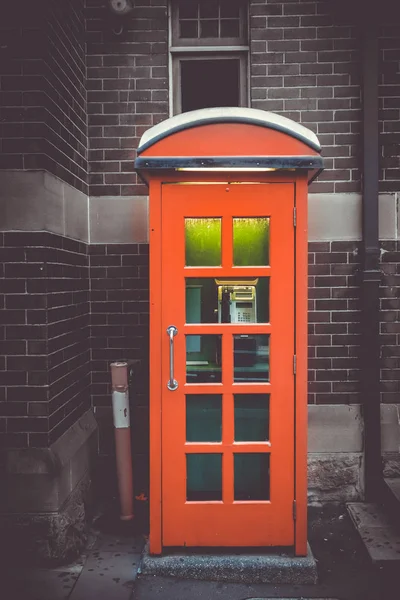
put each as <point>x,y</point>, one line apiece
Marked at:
<point>228,328</point>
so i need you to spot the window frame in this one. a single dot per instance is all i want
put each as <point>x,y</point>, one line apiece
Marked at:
<point>203,49</point>
<point>213,41</point>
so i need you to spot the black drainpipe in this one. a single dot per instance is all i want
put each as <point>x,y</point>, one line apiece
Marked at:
<point>370,262</point>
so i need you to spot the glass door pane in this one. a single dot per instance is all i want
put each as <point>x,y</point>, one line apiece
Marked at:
<point>224,300</point>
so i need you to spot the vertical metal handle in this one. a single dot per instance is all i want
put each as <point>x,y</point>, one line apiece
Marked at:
<point>172,383</point>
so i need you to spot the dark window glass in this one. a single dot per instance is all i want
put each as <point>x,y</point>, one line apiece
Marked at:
<point>207,83</point>
<point>188,29</point>
<point>209,9</point>
<point>188,10</point>
<point>208,28</point>
<point>203,477</point>
<point>251,476</point>
<point>229,28</point>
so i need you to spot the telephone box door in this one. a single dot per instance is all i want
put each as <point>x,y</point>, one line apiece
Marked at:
<point>227,364</point>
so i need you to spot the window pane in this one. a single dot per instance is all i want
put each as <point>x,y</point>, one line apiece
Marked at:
<point>203,242</point>
<point>208,83</point>
<point>209,9</point>
<point>203,359</point>
<point>229,28</point>
<point>251,476</point>
<point>208,28</point>
<point>251,417</point>
<point>204,477</point>
<point>229,8</point>
<point>210,300</point>
<point>188,10</point>
<point>251,357</point>
<point>188,29</point>
<point>251,241</point>
<point>204,418</point>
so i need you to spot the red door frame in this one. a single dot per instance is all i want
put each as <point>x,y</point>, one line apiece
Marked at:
<point>156,337</point>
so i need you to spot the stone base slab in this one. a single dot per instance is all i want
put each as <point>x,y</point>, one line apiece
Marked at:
<point>47,538</point>
<point>47,492</point>
<point>335,477</point>
<point>235,568</point>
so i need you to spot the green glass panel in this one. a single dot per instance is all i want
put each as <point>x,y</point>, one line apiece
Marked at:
<point>204,418</point>
<point>251,417</point>
<point>210,300</point>
<point>203,242</point>
<point>203,359</point>
<point>251,357</point>
<point>203,477</point>
<point>250,241</point>
<point>251,475</point>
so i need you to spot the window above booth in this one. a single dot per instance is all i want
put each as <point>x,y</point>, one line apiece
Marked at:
<point>209,54</point>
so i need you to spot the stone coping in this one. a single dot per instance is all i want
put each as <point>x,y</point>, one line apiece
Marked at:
<point>49,461</point>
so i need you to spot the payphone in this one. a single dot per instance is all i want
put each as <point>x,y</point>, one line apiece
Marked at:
<point>237,301</point>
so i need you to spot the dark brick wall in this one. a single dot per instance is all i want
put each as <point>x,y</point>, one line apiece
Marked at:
<point>334,323</point>
<point>43,89</point>
<point>44,363</point>
<point>119,275</point>
<point>305,65</point>
<point>69,375</point>
<point>390,106</point>
<point>127,90</point>
<point>390,322</point>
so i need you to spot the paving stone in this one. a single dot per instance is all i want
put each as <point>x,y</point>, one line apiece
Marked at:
<point>112,543</point>
<point>379,537</point>
<point>394,485</point>
<point>106,576</point>
<point>365,514</point>
<point>42,584</point>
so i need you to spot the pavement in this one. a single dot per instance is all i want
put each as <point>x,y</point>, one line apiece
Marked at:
<point>109,569</point>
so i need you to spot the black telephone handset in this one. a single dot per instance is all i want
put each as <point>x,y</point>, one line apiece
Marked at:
<point>226,306</point>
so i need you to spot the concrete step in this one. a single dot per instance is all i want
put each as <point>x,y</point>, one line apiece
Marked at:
<point>378,533</point>
<point>235,568</point>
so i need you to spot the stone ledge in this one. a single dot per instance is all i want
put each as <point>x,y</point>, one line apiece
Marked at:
<point>40,480</point>
<point>40,461</point>
<point>37,200</point>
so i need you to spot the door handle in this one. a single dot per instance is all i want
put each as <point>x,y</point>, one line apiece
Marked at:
<point>172,383</point>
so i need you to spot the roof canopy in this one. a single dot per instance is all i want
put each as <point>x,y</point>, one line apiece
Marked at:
<point>205,116</point>
<point>229,138</point>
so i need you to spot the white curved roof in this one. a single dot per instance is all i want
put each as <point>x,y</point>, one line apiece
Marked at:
<point>228,114</point>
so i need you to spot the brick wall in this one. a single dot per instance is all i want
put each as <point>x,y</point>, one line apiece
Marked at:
<point>305,65</point>
<point>127,90</point>
<point>390,322</point>
<point>119,275</point>
<point>334,323</point>
<point>67,333</point>
<point>45,369</point>
<point>389,69</point>
<point>43,89</point>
